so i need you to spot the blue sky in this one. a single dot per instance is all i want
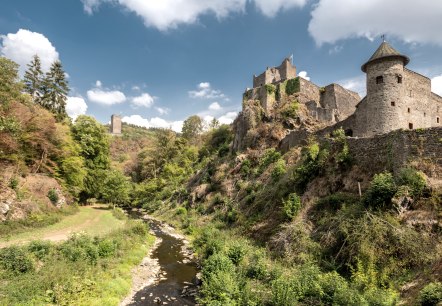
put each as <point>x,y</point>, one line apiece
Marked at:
<point>158,62</point>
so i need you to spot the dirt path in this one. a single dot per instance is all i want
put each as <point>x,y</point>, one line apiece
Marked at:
<point>94,220</point>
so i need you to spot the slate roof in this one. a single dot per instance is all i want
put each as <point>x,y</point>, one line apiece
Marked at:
<point>385,51</point>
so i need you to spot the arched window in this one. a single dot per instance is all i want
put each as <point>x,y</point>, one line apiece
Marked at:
<point>410,126</point>
<point>399,79</point>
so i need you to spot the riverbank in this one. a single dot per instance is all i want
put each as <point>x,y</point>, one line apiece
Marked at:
<point>166,274</point>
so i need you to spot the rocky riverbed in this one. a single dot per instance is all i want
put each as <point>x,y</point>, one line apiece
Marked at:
<point>168,274</point>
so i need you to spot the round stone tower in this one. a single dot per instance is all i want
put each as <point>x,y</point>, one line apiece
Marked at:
<point>385,91</point>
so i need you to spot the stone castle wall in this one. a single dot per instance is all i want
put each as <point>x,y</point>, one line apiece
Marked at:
<point>332,103</point>
<point>337,97</point>
<point>389,152</point>
<point>396,149</point>
<point>275,74</point>
<point>436,109</point>
<point>416,106</point>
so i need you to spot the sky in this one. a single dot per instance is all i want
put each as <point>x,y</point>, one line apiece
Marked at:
<point>157,62</point>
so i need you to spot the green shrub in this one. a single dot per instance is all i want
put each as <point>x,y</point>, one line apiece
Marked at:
<point>217,262</point>
<point>40,248</point>
<point>431,294</point>
<point>257,268</point>
<point>270,88</point>
<point>236,252</point>
<point>270,156</point>
<point>292,205</point>
<point>245,167</point>
<point>313,164</point>
<point>231,216</point>
<point>381,191</point>
<point>279,170</point>
<point>221,288</point>
<point>413,179</point>
<point>285,292</point>
<point>336,201</point>
<point>106,248</point>
<point>13,183</point>
<point>118,213</point>
<point>290,110</point>
<point>16,260</point>
<point>80,247</point>
<point>181,211</point>
<point>293,86</point>
<point>53,196</point>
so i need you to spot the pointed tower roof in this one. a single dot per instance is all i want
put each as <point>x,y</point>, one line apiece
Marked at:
<point>385,51</point>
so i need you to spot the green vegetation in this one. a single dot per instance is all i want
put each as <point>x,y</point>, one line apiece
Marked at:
<point>34,222</point>
<point>293,86</point>
<point>431,294</point>
<point>270,88</point>
<point>94,221</point>
<point>292,205</point>
<point>290,110</point>
<point>53,196</point>
<point>84,270</point>
<point>235,272</point>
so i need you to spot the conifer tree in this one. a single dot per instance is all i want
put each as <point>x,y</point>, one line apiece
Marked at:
<point>33,79</point>
<point>55,89</point>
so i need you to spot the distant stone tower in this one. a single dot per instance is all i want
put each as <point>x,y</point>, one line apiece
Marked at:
<point>385,92</point>
<point>115,127</point>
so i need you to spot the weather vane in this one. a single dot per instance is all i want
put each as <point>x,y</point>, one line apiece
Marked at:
<point>383,37</point>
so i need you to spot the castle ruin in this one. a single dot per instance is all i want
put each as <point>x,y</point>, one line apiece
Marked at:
<point>115,126</point>
<point>397,98</point>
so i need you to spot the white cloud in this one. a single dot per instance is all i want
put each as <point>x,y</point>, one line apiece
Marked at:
<point>408,20</point>
<point>215,106</point>
<point>162,110</point>
<point>205,91</point>
<point>227,118</point>
<point>144,100</point>
<point>75,106</point>
<point>356,84</point>
<point>169,14</point>
<point>90,5</point>
<point>98,84</point>
<point>155,122</point>
<point>303,74</point>
<point>436,85</point>
<point>23,45</point>
<point>271,7</point>
<point>106,97</point>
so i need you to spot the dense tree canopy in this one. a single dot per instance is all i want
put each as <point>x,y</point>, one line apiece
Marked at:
<point>10,85</point>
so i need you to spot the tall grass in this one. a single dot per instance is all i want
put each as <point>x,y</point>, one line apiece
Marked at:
<point>84,270</point>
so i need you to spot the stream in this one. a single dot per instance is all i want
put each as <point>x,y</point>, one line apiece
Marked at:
<point>174,281</point>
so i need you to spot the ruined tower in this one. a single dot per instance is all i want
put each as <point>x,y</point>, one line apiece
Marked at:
<point>385,92</point>
<point>115,127</point>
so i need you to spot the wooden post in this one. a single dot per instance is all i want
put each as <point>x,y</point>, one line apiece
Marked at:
<point>359,187</point>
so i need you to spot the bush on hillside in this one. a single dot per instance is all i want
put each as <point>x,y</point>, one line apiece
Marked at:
<point>431,294</point>
<point>16,260</point>
<point>413,179</point>
<point>381,191</point>
<point>292,205</point>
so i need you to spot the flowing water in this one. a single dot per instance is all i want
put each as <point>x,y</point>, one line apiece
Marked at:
<point>174,285</point>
